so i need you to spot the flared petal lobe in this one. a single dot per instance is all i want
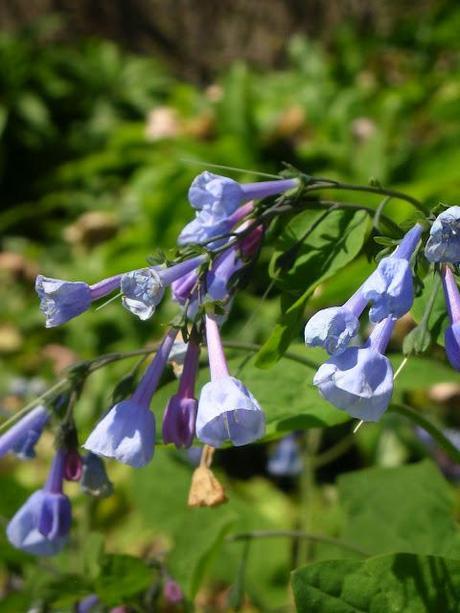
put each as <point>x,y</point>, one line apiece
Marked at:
<point>332,328</point>
<point>126,433</point>
<point>62,300</point>
<point>142,291</point>
<point>358,381</point>
<point>41,525</point>
<point>227,411</point>
<point>443,244</point>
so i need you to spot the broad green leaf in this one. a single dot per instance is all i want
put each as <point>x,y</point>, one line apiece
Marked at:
<point>400,583</point>
<point>332,244</point>
<point>300,267</point>
<point>409,508</point>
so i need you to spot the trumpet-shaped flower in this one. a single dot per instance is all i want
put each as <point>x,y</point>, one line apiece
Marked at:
<point>452,333</point>
<point>24,434</point>
<point>443,244</point>
<point>360,380</point>
<point>180,414</point>
<point>61,301</point>
<point>227,410</point>
<point>42,524</point>
<point>143,289</point>
<point>390,287</point>
<point>222,196</point>
<point>334,328</point>
<point>127,432</point>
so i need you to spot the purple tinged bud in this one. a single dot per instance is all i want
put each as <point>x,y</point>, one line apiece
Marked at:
<point>443,244</point>
<point>87,604</point>
<point>180,413</point>
<point>227,410</point>
<point>127,432</point>
<point>42,524</point>
<point>286,459</point>
<point>61,301</point>
<point>182,288</point>
<point>360,380</point>
<point>73,466</point>
<point>390,286</point>
<point>335,327</point>
<point>452,333</point>
<point>172,592</point>
<point>23,435</point>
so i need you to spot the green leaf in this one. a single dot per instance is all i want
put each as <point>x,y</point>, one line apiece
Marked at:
<point>334,243</point>
<point>409,508</point>
<point>400,583</point>
<point>121,577</point>
<point>439,319</point>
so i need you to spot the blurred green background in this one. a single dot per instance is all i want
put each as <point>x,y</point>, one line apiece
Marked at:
<point>99,141</point>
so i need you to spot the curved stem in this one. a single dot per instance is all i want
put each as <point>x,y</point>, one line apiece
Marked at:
<point>427,425</point>
<point>297,534</point>
<point>372,189</point>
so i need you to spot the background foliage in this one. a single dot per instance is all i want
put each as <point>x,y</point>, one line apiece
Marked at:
<point>97,149</point>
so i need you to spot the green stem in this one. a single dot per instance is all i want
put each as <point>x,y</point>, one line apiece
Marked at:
<point>372,189</point>
<point>297,534</point>
<point>427,425</point>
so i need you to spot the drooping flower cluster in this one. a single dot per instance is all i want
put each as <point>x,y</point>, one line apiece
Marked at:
<point>359,380</point>
<point>226,239</point>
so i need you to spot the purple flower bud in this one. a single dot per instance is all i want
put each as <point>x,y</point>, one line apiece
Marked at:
<point>226,409</point>
<point>73,466</point>
<point>94,479</point>
<point>64,300</point>
<point>180,414</point>
<point>182,288</point>
<point>143,289</point>
<point>443,245</point>
<point>360,380</point>
<point>452,333</point>
<point>334,328</point>
<point>286,459</point>
<point>23,435</point>
<point>172,592</point>
<point>390,286</point>
<point>42,524</point>
<point>87,604</point>
<point>127,432</point>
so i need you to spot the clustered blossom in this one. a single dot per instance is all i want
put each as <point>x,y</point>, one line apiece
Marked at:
<point>226,235</point>
<point>359,380</point>
<point>226,240</point>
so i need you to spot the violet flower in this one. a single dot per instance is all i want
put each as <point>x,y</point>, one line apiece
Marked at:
<point>452,333</point>
<point>443,244</point>
<point>24,434</point>
<point>127,432</point>
<point>61,301</point>
<point>208,225</point>
<point>180,413</point>
<point>172,591</point>
<point>42,524</point>
<point>390,286</point>
<point>360,380</point>
<point>226,410</point>
<point>334,328</point>
<point>143,289</point>
<point>286,459</point>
